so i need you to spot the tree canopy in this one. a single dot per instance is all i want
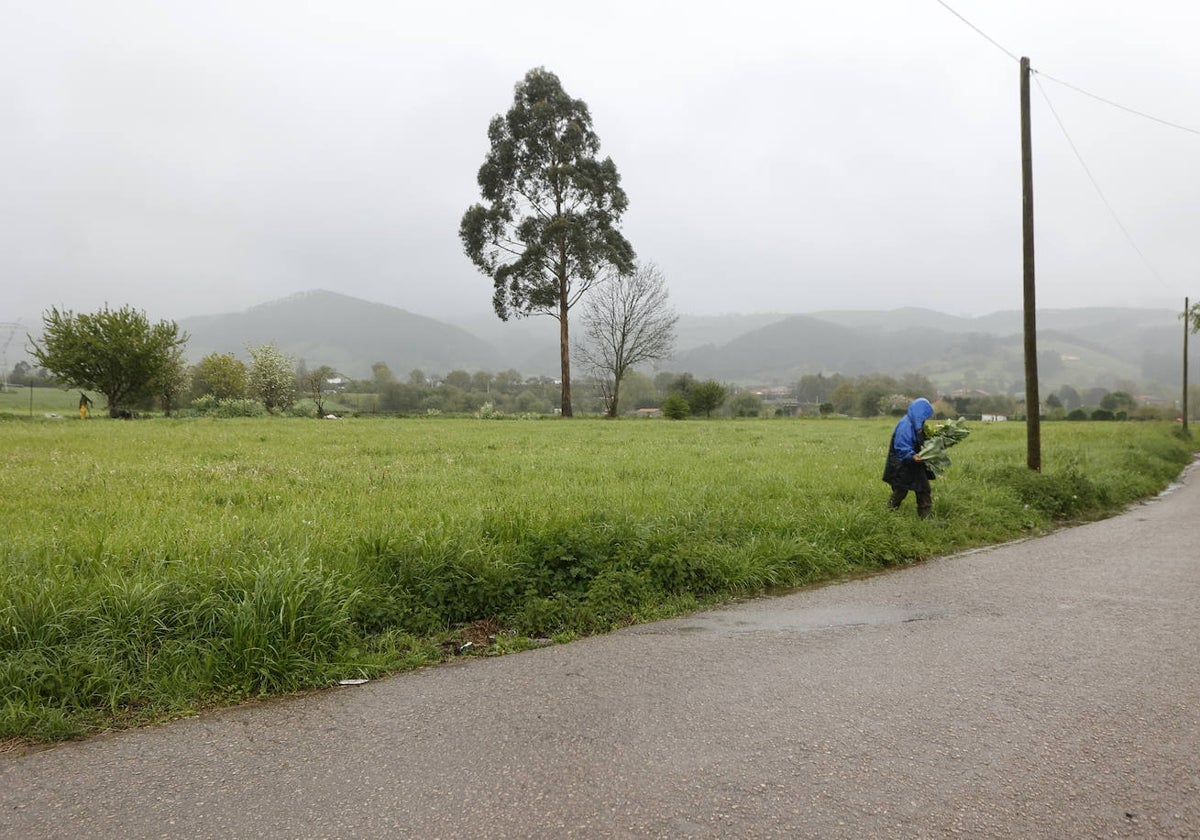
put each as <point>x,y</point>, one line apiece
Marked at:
<point>272,379</point>
<point>1192,317</point>
<point>220,374</point>
<point>546,231</point>
<point>706,397</point>
<point>172,385</point>
<point>116,352</point>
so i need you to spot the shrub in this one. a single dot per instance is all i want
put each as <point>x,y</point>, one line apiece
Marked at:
<point>676,571</point>
<point>210,406</point>
<point>746,405</point>
<point>537,616</point>
<point>1057,495</point>
<point>240,408</point>
<point>271,378</point>
<point>676,407</point>
<point>205,404</point>
<point>616,594</point>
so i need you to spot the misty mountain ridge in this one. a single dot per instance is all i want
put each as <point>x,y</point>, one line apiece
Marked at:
<point>1086,347</point>
<point>346,333</point>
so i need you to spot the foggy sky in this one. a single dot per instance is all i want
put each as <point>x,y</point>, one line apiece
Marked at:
<point>194,158</point>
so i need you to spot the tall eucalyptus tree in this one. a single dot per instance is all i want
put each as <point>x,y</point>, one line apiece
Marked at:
<point>547,229</point>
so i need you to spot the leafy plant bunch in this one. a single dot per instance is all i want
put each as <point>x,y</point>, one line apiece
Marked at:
<point>938,438</point>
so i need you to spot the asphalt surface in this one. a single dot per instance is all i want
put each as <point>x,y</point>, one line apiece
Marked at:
<point>1048,688</point>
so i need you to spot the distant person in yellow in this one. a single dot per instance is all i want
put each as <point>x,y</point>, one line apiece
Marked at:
<point>85,403</point>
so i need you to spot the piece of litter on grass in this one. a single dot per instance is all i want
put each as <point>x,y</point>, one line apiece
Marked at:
<point>352,682</point>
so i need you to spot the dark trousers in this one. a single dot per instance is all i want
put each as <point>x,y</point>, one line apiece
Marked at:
<point>924,501</point>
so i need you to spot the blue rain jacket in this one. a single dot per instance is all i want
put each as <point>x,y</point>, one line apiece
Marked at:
<point>901,471</point>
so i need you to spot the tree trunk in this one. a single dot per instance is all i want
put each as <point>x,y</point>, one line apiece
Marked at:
<point>616,394</point>
<point>564,348</point>
<point>564,308</point>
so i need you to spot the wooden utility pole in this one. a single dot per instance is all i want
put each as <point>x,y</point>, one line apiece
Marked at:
<point>1033,420</point>
<point>1187,328</point>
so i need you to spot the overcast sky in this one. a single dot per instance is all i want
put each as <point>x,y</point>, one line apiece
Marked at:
<point>201,157</point>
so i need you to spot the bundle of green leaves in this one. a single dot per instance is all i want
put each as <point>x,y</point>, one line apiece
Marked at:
<point>938,438</point>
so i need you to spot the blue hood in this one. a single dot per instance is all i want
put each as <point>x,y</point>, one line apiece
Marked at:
<point>919,410</point>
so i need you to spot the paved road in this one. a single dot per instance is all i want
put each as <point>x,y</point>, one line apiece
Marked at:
<point>1049,688</point>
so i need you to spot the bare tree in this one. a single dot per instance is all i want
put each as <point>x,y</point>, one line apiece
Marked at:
<point>314,383</point>
<point>626,321</point>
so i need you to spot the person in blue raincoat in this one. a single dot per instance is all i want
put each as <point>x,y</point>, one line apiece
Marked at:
<point>904,470</point>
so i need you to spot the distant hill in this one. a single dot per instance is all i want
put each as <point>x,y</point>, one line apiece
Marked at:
<point>783,351</point>
<point>530,345</point>
<point>348,334</point>
<point>1082,347</point>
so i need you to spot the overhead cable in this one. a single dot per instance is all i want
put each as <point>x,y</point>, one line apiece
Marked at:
<point>986,37</point>
<point>1075,88</point>
<point>1099,191</point>
<point>1119,105</point>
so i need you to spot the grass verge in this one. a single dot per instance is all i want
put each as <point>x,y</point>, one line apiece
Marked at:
<point>153,568</point>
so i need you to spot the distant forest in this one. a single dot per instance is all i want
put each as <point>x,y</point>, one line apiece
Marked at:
<point>379,358</point>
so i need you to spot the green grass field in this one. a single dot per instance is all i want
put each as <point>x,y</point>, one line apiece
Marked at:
<point>154,567</point>
<point>26,402</point>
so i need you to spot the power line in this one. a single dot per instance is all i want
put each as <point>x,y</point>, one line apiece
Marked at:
<point>1071,143</point>
<point>1075,88</point>
<point>1099,191</point>
<point>986,37</point>
<point>1118,105</point>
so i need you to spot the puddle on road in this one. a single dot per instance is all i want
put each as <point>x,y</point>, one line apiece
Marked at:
<point>794,621</point>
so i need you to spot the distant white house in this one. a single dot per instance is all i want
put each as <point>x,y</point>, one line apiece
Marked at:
<point>993,418</point>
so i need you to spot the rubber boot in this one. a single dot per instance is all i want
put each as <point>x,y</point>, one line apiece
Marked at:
<point>924,505</point>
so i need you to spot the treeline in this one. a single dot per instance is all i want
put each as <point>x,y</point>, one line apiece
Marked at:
<point>222,384</point>
<point>878,394</point>
<point>23,373</point>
